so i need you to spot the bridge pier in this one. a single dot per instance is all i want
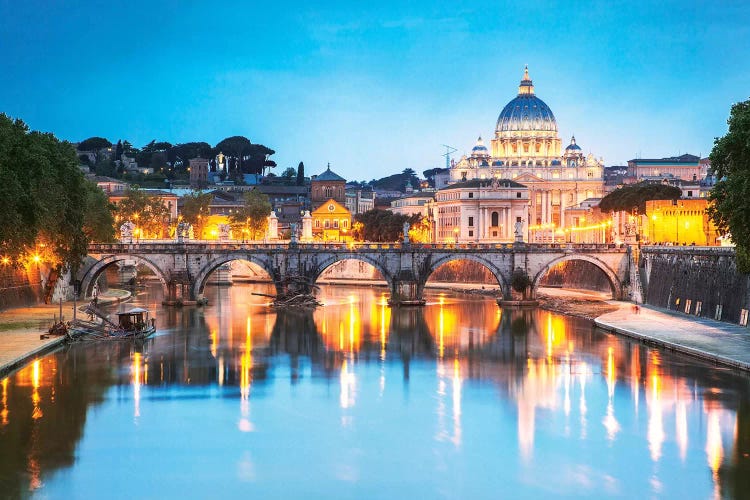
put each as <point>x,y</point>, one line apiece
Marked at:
<point>405,290</point>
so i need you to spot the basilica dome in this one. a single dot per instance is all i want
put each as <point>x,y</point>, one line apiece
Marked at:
<point>526,112</point>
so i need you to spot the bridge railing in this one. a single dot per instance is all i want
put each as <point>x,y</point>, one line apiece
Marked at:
<point>156,246</point>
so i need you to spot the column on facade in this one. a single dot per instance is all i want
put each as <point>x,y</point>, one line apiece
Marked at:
<point>506,225</point>
<point>544,207</point>
<point>562,209</point>
<point>549,206</point>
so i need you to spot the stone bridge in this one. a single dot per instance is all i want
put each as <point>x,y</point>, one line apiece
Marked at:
<point>183,268</point>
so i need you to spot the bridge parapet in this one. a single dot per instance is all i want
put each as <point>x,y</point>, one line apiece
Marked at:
<point>405,267</point>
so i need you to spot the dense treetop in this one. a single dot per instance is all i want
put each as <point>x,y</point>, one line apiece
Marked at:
<point>634,196</point>
<point>730,161</point>
<point>46,204</point>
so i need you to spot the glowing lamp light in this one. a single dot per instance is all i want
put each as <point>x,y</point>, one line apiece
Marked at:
<point>36,258</point>
<point>6,260</point>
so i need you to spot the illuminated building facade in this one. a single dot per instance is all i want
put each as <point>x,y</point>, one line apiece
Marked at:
<point>684,222</point>
<point>326,186</point>
<point>686,167</point>
<point>526,149</point>
<point>480,211</point>
<point>331,221</point>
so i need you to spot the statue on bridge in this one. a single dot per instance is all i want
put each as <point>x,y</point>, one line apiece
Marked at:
<point>184,231</point>
<point>406,232</point>
<point>126,232</point>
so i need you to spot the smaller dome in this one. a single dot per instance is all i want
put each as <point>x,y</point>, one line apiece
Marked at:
<point>573,146</point>
<point>479,148</point>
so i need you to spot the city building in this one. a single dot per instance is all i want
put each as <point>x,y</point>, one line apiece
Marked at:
<point>526,149</point>
<point>327,186</point>
<point>416,203</point>
<point>198,173</point>
<point>331,221</point>
<point>682,222</point>
<point>359,200</point>
<point>686,167</point>
<point>481,210</point>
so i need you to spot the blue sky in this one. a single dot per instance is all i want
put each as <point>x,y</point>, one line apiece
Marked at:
<point>375,87</point>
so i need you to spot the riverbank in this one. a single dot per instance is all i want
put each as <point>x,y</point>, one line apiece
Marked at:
<point>24,330</point>
<point>721,343</point>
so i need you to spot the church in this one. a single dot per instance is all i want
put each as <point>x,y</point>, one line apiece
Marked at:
<point>526,149</point>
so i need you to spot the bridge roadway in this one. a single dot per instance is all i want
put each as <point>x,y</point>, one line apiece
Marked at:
<point>184,267</point>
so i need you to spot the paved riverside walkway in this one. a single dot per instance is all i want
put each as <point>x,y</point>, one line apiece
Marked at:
<point>22,327</point>
<point>723,343</point>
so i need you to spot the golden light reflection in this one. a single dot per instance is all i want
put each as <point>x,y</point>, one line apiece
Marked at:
<point>655,433</point>
<point>714,447</point>
<point>347,381</point>
<point>681,428</point>
<point>5,412</point>
<point>383,304</point>
<point>456,403</point>
<point>246,379</point>
<point>610,422</point>
<point>136,371</point>
<point>35,397</point>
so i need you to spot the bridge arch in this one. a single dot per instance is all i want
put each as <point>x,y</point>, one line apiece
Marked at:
<point>614,281</point>
<point>199,282</point>
<point>89,275</point>
<point>327,262</point>
<point>502,281</point>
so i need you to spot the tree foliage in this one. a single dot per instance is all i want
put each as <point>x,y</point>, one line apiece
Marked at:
<point>195,210</point>
<point>301,174</point>
<point>252,218</point>
<point>628,198</point>
<point>94,144</point>
<point>98,219</point>
<point>42,197</point>
<point>148,213</point>
<point>244,156</point>
<point>730,161</point>
<point>382,225</point>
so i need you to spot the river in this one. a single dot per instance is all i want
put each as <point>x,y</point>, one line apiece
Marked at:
<point>458,399</point>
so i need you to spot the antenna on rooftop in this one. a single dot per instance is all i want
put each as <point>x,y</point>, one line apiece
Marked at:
<point>447,154</point>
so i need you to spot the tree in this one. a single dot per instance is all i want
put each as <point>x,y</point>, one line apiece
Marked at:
<point>98,220</point>
<point>148,213</point>
<point>634,196</point>
<point>42,197</point>
<point>382,225</point>
<point>252,157</point>
<point>301,174</point>
<point>94,144</point>
<point>730,161</point>
<point>289,173</point>
<point>252,217</point>
<point>195,210</point>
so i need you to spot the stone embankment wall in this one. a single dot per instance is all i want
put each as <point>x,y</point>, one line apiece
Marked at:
<point>700,281</point>
<point>19,286</point>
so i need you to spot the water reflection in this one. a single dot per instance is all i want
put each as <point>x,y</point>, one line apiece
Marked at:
<point>526,391</point>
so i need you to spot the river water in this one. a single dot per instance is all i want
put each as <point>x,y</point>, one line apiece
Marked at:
<point>458,399</point>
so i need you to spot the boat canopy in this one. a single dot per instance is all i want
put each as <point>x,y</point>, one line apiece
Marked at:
<point>135,310</point>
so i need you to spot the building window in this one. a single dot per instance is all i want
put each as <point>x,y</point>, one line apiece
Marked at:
<point>495,219</point>
<point>471,222</point>
<point>317,223</point>
<point>690,194</point>
<point>494,234</point>
<point>335,223</point>
<point>345,223</point>
<point>518,194</point>
<point>327,224</point>
<point>471,195</point>
<point>471,233</point>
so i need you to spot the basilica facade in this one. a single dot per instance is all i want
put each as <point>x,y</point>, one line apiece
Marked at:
<point>527,150</point>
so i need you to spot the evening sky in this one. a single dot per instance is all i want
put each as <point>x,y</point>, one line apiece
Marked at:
<point>375,87</point>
